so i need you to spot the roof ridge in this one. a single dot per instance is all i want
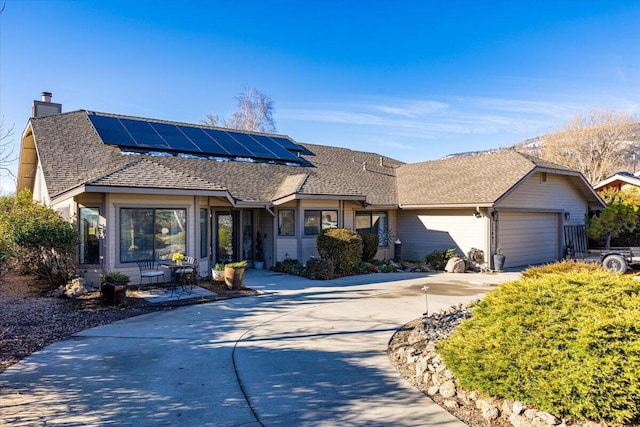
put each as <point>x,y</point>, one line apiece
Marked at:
<point>115,170</point>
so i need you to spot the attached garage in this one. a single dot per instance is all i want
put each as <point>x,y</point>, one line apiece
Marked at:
<point>528,237</point>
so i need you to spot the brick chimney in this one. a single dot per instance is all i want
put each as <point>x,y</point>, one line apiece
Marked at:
<point>45,107</point>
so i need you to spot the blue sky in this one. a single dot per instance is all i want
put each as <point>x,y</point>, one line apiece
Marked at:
<point>414,80</point>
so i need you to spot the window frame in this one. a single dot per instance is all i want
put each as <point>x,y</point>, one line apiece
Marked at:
<point>383,236</point>
<point>154,249</point>
<point>293,225</point>
<point>82,243</point>
<point>320,214</point>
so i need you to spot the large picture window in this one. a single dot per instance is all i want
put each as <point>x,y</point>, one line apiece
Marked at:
<point>152,234</point>
<point>286,222</point>
<point>89,236</point>
<point>374,223</point>
<point>314,221</point>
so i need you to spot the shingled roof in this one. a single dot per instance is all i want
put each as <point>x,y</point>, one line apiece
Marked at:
<point>466,180</point>
<point>72,155</point>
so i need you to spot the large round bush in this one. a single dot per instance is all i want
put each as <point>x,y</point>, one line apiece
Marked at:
<point>342,246</point>
<point>567,342</point>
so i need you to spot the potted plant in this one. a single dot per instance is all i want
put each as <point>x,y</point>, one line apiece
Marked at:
<point>258,262</point>
<point>113,287</point>
<point>234,274</point>
<point>217,272</point>
<point>177,258</point>
<point>498,259</point>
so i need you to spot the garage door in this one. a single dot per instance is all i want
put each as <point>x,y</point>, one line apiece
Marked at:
<point>528,238</point>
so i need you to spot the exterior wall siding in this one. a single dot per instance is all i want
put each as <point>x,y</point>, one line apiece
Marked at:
<point>557,193</point>
<point>423,231</point>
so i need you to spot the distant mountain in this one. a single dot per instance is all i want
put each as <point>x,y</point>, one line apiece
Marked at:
<point>533,146</point>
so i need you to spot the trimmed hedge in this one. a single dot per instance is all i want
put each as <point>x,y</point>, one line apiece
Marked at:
<point>369,246</point>
<point>319,269</point>
<point>567,343</point>
<point>342,246</point>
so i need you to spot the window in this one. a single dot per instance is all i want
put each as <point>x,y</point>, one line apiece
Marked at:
<point>89,236</point>
<point>152,234</point>
<point>314,221</point>
<point>204,233</point>
<point>375,223</point>
<point>286,222</point>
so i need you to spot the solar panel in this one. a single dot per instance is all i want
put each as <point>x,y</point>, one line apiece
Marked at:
<point>277,150</point>
<point>230,144</point>
<point>111,131</point>
<point>144,135</point>
<point>256,149</point>
<point>204,143</point>
<point>174,137</point>
<point>291,146</point>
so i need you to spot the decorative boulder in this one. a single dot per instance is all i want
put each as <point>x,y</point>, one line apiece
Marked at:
<point>456,265</point>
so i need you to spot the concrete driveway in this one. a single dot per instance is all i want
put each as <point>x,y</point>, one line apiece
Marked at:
<point>306,353</point>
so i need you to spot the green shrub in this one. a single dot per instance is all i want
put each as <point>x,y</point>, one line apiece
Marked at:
<point>319,269</point>
<point>289,266</point>
<point>342,246</point>
<point>388,268</point>
<point>369,246</point>
<point>115,277</point>
<point>438,259</point>
<point>239,264</point>
<point>566,266</point>
<point>39,239</point>
<point>567,343</point>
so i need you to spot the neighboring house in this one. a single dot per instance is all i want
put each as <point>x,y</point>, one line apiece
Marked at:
<point>144,189</point>
<point>618,181</point>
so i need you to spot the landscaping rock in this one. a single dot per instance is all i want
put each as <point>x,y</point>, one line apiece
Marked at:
<point>447,389</point>
<point>456,265</point>
<point>75,288</point>
<point>518,407</point>
<point>548,418</point>
<point>489,410</point>
<point>433,390</point>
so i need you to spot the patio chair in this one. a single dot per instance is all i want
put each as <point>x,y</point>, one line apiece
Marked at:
<point>188,272</point>
<point>149,270</point>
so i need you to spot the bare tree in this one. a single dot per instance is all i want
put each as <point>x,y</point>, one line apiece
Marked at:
<point>594,144</point>
<point>255,112</point>
<point>6,152</point>
<point>211,120</point>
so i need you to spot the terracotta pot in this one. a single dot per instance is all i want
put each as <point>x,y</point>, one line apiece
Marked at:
<point>233,277</point>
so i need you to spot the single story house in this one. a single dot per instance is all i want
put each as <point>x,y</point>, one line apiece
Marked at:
<point>143,189</point>
<point>618,181</point>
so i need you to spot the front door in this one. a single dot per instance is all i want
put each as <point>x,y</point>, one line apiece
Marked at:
<point>225,225</point>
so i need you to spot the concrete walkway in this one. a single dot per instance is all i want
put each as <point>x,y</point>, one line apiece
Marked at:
<point>307,353</point>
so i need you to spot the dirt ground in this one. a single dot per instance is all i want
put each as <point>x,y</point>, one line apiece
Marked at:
<point>31,320</point>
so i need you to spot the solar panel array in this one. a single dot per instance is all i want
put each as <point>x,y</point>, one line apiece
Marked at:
<point>142,135</point>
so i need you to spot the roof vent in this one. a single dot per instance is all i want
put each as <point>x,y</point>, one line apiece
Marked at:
<point>45,107</point>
